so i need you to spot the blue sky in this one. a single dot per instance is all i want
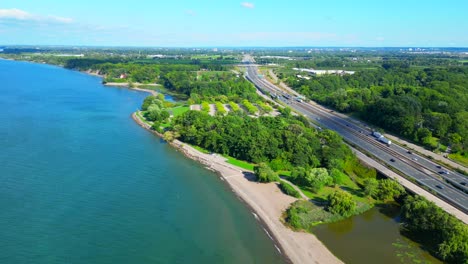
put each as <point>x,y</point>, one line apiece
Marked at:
<point>211,23</point>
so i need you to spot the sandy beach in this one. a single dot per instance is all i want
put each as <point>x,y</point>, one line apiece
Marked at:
<point>267,203</point>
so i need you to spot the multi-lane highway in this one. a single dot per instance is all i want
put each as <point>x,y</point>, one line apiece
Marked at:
<point>427,173</point>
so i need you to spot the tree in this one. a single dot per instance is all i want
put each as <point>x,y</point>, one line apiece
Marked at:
<point>315,179</point>
<point>442,233</point>
<point>388,190</point>
<point>371,186</point>
<point>423,133</point>
<point>318,178</point>
<point>338,176</point>
<point>147,102</point>
<point>164,115</point>
<point>264,173</point>
<point>170,136</point>
<point>342,203</point>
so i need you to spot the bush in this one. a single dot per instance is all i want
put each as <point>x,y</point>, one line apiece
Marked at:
<point>220,108</point>
<point>264,173</point>
<point>289,189</point>
<point>205,107</point>
<point>389,190</point>
<point>235,107</point>
<point>341,203</point>
<point>250,107</point>
<point>266,108</point>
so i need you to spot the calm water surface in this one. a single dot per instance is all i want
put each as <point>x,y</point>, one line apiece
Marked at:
<point>372,237</point>
<point>80,182</point>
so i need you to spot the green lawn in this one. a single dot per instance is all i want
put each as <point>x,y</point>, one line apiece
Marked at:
<point>202,150</point>
<point>239,163</point>
<point>176,111</point>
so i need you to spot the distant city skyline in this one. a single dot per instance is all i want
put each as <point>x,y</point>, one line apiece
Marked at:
<point>210,23</point>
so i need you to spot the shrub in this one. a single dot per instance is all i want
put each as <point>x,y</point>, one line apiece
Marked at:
<point>289,189</point>
<point>264,173</point>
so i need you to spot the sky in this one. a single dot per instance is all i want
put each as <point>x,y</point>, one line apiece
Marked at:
<point>230,23</point>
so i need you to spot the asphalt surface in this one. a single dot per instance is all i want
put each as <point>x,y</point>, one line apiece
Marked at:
<point>424,171</point>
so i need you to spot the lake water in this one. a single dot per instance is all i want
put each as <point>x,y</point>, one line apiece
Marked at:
<point>372,237</point>
<point>80,182</point>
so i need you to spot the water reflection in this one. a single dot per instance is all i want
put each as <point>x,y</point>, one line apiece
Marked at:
<point>372,237</point>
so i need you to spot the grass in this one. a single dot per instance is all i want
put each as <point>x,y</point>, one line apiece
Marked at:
<point>239,163</point>
<point>459,158</point>
<point>176,111</point>
<point>289,189</point>
<point>202,150</point>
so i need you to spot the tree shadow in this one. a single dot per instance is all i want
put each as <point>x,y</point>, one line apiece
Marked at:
<point>250,176</point>
<point>390,210</point>
<point>352,191</point>
<point>319,201</point>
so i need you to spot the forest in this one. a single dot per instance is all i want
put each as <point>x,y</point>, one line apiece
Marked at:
<point>425,105</point>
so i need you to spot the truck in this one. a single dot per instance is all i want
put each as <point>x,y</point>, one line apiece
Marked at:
<point>377,134</point>
<point>385,140</point>
<point>381,138</point>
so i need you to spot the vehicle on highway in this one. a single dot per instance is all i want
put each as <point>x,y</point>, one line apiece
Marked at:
<point>409,152</point>
<point>415,159</point>
<point>463,183</point>
<point>392,160</point>
<point>380,137</point>
<point>440,186</point>
<point>439,167</point>
<point>385,141</point>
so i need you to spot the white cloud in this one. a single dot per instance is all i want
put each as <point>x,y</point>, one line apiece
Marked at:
<point>14,14</point>
<point>248,5</point>
<point>21,15</point>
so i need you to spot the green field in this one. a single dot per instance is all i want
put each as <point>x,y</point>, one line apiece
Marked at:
<point>240,163</point>
<point>176,111</point>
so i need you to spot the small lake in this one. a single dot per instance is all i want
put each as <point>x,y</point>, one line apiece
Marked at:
<point>372,237</point>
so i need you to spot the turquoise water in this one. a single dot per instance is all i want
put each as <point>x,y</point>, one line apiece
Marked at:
<point>80,182</point>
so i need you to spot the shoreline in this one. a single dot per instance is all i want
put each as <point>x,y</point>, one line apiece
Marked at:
<point>266,202</point>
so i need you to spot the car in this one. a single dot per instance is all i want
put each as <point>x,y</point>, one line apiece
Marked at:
<point>463,183</point>
<point>392,160</point>
<point>409,152</point>
<point>439,167</point>
<point>440,186</point>
<point>415,159</point>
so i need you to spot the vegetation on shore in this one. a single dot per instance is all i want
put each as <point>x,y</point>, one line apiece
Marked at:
<point>444,235</point>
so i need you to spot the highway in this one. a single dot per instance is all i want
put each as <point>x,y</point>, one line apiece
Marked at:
<point>422,170</point>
